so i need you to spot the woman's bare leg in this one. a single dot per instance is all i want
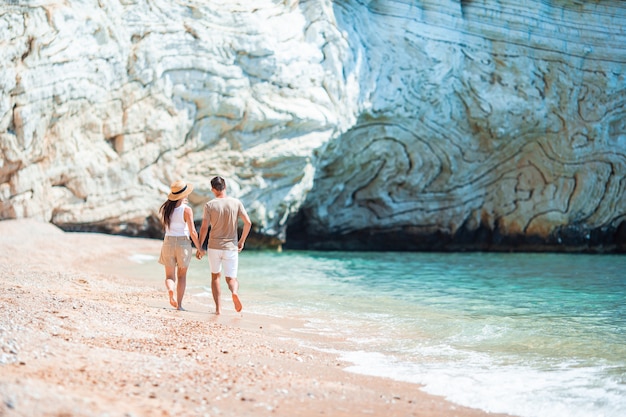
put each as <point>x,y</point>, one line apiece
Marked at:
<point>170,284</point>
<point>181,284</point>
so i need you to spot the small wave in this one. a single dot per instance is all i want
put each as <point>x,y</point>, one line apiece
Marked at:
<point>141,259</point>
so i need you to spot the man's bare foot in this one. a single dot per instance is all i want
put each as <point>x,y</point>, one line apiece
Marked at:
<point>173,301</point>
<point>237,303</point>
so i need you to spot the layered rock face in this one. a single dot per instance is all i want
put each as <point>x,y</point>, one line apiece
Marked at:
<point>361,124</point>
<point>489,125</point>
<point>104,104</point>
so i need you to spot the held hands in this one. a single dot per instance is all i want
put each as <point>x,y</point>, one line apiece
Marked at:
<point>199,253</point>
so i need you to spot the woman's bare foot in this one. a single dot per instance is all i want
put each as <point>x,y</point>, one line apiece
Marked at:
<point>173,301</point>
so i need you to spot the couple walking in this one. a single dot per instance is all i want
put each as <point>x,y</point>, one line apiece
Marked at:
<point>222,214</point>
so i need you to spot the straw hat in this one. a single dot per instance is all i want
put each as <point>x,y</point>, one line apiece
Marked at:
<point>179,190</point>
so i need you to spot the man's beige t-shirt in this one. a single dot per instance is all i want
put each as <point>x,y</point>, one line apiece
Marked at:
<point>223,214</point>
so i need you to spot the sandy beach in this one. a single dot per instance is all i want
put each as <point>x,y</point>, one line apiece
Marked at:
<point>80,337</point>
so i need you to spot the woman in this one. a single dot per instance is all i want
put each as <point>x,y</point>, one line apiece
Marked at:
<point>177,220</point>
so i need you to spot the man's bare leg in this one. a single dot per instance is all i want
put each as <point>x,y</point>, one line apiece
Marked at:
<point>170,284</point>
<point>215,289</point>
<point>233,285</point>
<point>181,284</point>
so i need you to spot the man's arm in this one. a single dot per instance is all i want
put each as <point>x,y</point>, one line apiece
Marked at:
<point>247,225</point>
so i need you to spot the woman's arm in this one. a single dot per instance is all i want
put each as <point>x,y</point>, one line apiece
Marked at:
<point>188,215</point>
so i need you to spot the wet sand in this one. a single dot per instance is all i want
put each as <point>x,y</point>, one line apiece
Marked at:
<point>80,337</point>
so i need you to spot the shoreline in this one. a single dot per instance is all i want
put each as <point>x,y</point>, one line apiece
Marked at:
<point>78,337</point>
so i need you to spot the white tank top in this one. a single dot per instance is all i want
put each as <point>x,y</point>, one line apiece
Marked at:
<point>178,226</point>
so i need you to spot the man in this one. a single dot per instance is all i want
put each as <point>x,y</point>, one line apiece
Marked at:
<point>222,214</point>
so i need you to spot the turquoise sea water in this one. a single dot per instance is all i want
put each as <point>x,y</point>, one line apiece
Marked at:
<point>533,335</point>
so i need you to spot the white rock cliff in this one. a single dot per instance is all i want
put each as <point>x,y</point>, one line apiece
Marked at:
<point>422,124</point>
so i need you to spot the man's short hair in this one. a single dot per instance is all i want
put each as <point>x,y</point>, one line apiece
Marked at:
<point>218,183</point>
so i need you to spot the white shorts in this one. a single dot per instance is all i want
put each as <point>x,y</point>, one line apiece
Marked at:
<point>228,258</point>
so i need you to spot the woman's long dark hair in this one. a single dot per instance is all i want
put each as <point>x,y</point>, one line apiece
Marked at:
<point>166,212</point>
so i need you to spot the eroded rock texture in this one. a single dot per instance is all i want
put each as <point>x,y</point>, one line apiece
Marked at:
<point>495,125</point>
<point>364,124</point>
